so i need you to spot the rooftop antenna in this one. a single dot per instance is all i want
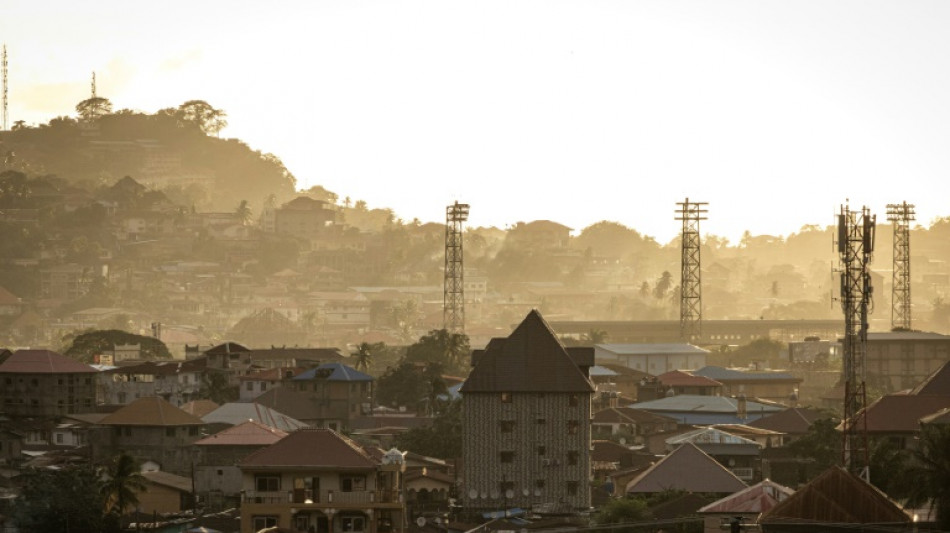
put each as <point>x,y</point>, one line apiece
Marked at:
<point>93,84</point>
<point>453,302</point>
<point>855,248</point>
<point>901,216</point>
<point>5,119</point>
<point>691,297</point>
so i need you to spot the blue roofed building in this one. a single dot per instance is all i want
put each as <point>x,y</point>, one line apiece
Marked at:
<point>695,410</point>
<point>329,396</point>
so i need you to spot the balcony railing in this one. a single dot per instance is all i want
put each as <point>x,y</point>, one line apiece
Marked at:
<point>744,474</point>
<point>306,496</point>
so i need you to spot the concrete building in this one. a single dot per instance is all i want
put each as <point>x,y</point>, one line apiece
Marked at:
<point>526,423</point>
<point>44,383</point>
<point>654,359</point>
<point>902,359</point>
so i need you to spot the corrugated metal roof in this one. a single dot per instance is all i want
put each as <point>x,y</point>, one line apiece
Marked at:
<point>758,498</point>
<point>686,468</point>
<point>719,373</point>
<point>907,335</point>
<point>235,413</point>
<point>679,378</point>
<point>703,404</point>
<point>250,433</point>
<point>150,411</point>
<point>333,372</point>
<point>531,359</point>
<point>648,349</point>
<point>43,362</point>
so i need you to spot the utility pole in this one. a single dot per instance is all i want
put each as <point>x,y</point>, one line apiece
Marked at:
<point>901,215</point>
<point>691,294</point>
<point>855,248</point>
<point>453,301</point>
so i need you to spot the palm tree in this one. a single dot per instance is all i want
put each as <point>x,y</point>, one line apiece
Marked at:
<point>243,212</point>
<point>363,355</point>
<point>928,475</point>
<point>123,481</point>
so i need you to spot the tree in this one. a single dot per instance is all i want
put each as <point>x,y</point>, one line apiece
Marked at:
<point>364,354</point>
<point>408,384</point>
<point>450,350</point>
<point>85,346</point>
<point>61,500</point>
<point>663,285</point>
<point>122,481</point>
<point>822,443</point>
<point>443,439</point>
<point>243,212</point>
<point>595,336</point>
<point>623,510</point>
<point>94,108</point>
<point>200,113</point>
<point>928,475</point>
<point>215,387</point>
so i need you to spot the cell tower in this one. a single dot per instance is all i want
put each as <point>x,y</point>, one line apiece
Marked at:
<point>855,247</point>
<point>453,303</point>
<point>691,294</point>
<point>5,119</point>
<point>901,215</point>
<point>93,84</point>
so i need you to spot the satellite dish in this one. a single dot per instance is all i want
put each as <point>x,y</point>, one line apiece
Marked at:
<point>472,494</point>
<point>525,491</point>
<point>537,492</point>
<point>623,441</point>
<point>494,494</point>
<point>438,520</point>
<point>509,494</point>
<point>484,495</point>
<point>421,521</point>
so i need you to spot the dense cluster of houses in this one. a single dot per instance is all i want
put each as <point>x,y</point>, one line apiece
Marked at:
<point>549,434</point>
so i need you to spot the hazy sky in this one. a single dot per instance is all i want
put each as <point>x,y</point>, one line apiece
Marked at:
<point>774,112</point>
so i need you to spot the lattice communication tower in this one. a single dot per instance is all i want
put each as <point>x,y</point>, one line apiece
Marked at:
<point>5,118</point>
<point>901,215</point>
<point>453,301</point>
<point>855,249</point>
<point>691,294</point>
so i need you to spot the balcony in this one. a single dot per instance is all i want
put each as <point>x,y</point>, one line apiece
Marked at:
<point>323,497</point>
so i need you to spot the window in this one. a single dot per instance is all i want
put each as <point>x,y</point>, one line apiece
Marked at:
<point>220,472</point>
<point>170,432</point>
<point>574,400</point>
<point>542,421</point>
<point>193,431</point>
<point>572,488</point>
<point>262,522</point>
<point>249,386</point>
<point>263,386</point>
<point>542,450</point>
<point>352,483</point>
<point>59,438</point>
<point>505,486</point>
<point>506,397</point>
<point>506,426</point>
<point>539,483</point>
<point>506,457</point>
<point>267,483</point>
<point>572,427</point>
<point>572,457</point>
<point>352,523</point>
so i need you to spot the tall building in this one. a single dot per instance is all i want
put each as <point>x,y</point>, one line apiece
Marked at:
<point>526,423</point>
<point>45,383</point>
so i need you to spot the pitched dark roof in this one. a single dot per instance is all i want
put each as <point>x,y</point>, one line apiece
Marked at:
<point>679,378</point>
<point>333,372</point>
<point>723,375</point>
<point>758,498</point>
<point>250,433</point>
<point>43,362</point>
<point>937,383</point>
<point>311,448</point>
<point>901,413</point>
<point>687,468</point>
<point>531,359</point>
<point>836,496</point>
<point>794,420</point>
<point>150,411</point>
<point>227,348</point>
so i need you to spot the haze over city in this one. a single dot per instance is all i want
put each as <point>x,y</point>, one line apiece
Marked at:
<point>774,113</point>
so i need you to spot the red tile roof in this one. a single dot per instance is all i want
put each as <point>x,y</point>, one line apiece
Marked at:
<point>531,359</point>
<point>150,411</point>
<point>311,448</point>
<point>7,297</point>
<point>686,468</point>
<point>43,362</point>
<point>250,433</point>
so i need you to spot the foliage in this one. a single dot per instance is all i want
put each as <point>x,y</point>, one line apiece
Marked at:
<point>215,387</point>
<point>62,500</point>
<point>622,510</point>
<point>443,439</point>
<point>449,350</point>
<point>85,346</point>
<point>201,114</point>
<point>364,354</point>
<point>822,443</point>
<point>758,350</point>
<point>888,462</point>
<point>93,108</point>
<point>122,481</point>
<point>409,384</point>
<point>928,475</point>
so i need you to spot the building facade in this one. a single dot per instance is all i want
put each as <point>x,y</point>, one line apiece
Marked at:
<point>44,383</point>
<point>526,423</point>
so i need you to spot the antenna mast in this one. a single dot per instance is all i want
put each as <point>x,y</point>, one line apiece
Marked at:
<point>6,119</point>
<point>691,297</point>
<point>453,302</point>
<point>901,216</point>
<point>93,84</point>
<point>855,247</point>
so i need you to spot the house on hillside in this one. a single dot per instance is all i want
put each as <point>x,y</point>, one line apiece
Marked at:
<point>526,423</point>
<point>338,393</point>
<point>319,480</point>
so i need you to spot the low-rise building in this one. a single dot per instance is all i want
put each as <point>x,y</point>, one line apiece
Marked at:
<point>654,359</point>
<point>319,480</point>
<point>44,383</point>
